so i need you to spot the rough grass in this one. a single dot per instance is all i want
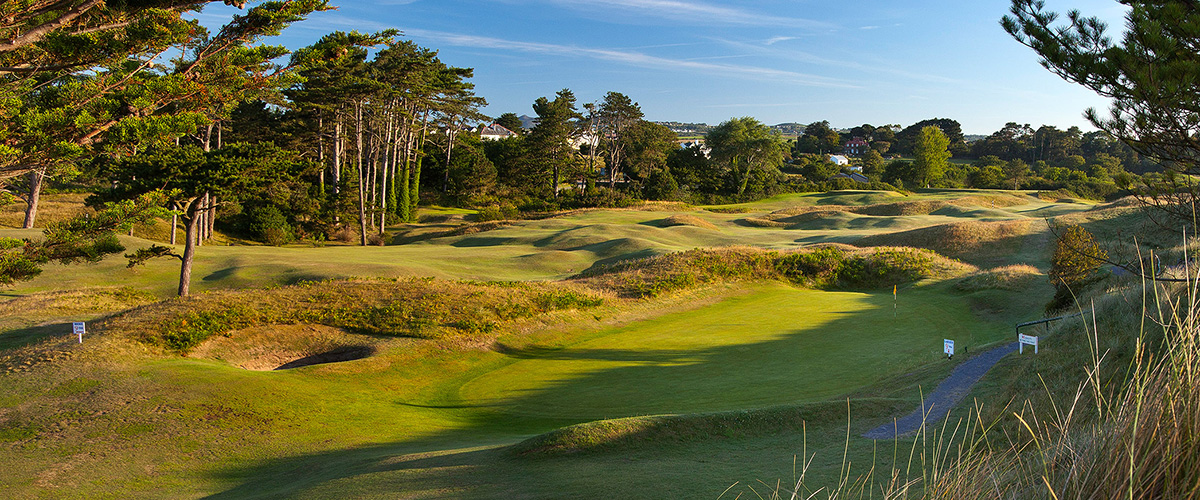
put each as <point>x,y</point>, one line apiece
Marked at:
<point>459,312</point>
<point>51,208</point>
<point>687,220</point>
<point>1016,278</point>
<point>830,265</point>
<point>268,347</point>
<point>972,241</point>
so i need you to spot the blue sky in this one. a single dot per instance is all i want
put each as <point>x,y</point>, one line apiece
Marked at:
<point>848,62</point>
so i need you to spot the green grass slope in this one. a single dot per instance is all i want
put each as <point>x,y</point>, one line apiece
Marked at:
<point>677,396</point>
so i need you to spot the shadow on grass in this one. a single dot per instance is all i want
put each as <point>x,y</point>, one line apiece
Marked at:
<point>472,459</point>
<point>21,337</point>
<point>536,352</point>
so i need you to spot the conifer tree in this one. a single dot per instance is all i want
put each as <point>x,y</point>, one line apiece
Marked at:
<point>1149,73</point>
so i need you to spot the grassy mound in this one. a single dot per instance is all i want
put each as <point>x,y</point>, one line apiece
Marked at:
<point>841,216</point>
<point>762,222</point>
<point>903,208</point>
<point>686,220</point>
<point>1016,278</point>
<point>994,201</point>
<point>271,347</point>
<point>827,266</point>
<point>636,432</point>
<point>419,308</point>
<point>971,240</point>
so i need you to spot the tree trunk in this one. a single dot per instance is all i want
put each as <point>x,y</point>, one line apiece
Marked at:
<point>414,197</point>
<point>212,215</point>
<point>200,225</point>
<point>450,134</point>
<point>362,199</point>
<point>555,180</point>
<point>192,225</point>
<point>386,155</point>
<point>321,149</point>
<point>337,155</point>
<point>36,179</point>
<point>208,137</point>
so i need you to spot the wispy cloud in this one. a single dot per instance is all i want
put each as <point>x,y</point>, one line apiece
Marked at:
<point>809,58</point>
<point>633,59</point>
<point>776,39</point>
<point>680,10</point>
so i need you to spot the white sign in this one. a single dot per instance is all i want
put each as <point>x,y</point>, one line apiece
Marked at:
<point>1027,339</point>
<point>948,347</point>
<point>78,328</point>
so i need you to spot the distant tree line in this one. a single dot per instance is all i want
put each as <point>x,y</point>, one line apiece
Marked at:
<point>352,133</point>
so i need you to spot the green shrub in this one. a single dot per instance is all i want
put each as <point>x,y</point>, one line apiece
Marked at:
<point>398,318</point>
<point>188,330</point>
<point>819,267</point>
<point>497,212</point>
<point>270,226</point>
<point>831,266</point>
<point>558,300</point>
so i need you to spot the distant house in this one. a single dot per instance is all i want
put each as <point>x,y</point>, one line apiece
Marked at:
<point>856,146</point>
<point>839,160</point>
<point>495,132</point>
<point>854,176</point>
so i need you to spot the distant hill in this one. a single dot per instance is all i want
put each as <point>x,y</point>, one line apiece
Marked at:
<point>527,122</point>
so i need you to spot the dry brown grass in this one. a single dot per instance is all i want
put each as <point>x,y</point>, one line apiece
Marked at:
<point>268,347</point>
<point>991,201</point>
<point>1016,277</point>
<point>971,241</point>
<point>51,208</point>
<point>902,208</point>
<point>87,301</point>
<point>763,222</point>
<point>687,220</point>
<point>654,276</point>
<point>466,313</point>
<point>792,216</point>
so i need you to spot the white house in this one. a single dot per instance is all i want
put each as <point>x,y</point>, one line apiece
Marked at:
<point>839,160</point>
<point>495,132</point>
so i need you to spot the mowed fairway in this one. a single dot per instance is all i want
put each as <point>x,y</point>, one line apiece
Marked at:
<point>772,345</point>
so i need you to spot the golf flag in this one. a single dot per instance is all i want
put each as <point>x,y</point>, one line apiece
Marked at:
<point>894,291</point>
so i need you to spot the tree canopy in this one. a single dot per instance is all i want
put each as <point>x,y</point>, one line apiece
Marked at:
<point>1149,75</point>
<point>742,145</point>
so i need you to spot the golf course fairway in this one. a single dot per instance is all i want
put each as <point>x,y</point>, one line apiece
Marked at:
<point>772,345</point>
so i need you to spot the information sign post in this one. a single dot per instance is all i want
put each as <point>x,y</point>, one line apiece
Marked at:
<point>1027,339</point>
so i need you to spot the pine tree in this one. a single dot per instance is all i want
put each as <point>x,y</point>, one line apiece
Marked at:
<point>550,140</point>
<point>1150,75</point>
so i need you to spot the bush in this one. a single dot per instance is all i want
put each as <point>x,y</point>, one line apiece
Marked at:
<point>834,267</point>
<point>1076,256</point>
<point>497,212</point>
<point>188,330</point>
<point>270,226</point>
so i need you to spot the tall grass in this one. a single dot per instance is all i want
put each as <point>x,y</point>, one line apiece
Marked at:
<point>1130,430</point>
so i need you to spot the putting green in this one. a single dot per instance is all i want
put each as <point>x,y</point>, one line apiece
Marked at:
<point>772,345</point>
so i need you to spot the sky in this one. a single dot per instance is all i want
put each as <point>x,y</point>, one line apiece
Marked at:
<point>848,62</point>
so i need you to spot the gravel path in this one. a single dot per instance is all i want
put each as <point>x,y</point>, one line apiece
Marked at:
<point>948,393</point>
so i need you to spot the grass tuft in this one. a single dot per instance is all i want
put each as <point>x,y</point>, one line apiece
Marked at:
<point>418,308</point>
<point>1015,278</point>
